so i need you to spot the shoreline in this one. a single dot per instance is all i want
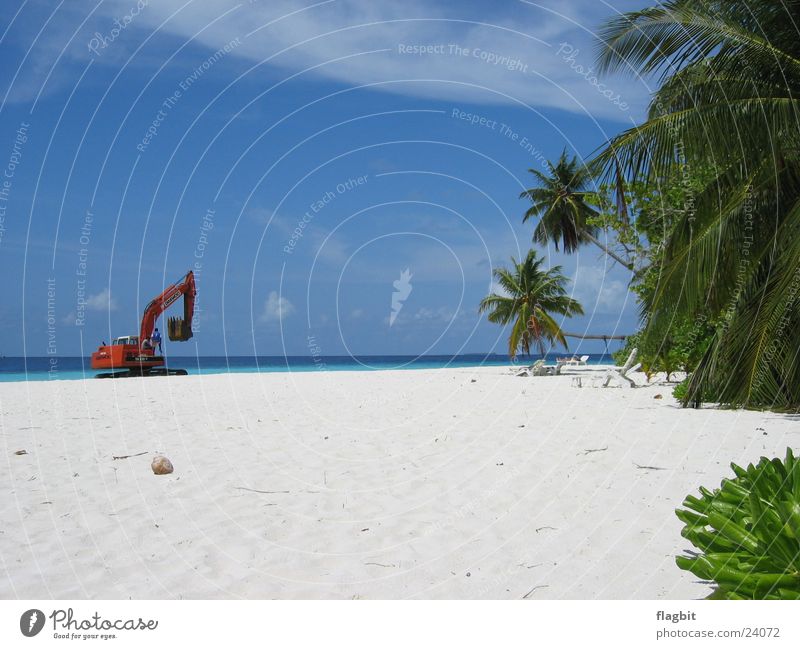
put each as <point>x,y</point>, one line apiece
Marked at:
<point>307,364</point>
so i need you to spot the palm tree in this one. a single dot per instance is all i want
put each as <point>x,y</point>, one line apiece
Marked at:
<point>530,295</point>
<point>729,99</point>
<point>560,204</point>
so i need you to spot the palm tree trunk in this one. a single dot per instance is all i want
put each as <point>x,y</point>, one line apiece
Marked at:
<point>608,251</point>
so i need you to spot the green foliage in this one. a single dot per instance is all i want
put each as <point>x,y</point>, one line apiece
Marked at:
<point>681,390</point>
<point>678,349</point>
<point>652,211</point>
<point>529,296</point>
<point>559,203</point>
<point>748,532</point>
<point>721,145</point>
<point>640,216</point>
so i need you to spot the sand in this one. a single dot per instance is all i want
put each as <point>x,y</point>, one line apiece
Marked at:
<point>459,483</point>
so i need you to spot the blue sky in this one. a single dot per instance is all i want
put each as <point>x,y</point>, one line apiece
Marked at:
<point>298,156</point>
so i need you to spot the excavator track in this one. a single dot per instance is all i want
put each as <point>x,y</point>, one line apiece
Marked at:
<point>148,371</point>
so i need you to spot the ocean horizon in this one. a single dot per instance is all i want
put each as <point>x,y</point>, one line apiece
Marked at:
<point>43,368</point>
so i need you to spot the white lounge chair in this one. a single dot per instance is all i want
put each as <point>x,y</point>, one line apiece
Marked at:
<point>532,370</point>
<point>538,368</point>
<point>621,374</point>
<point>574,360</point>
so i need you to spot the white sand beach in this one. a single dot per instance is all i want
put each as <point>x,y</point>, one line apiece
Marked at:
<point>455,483</point>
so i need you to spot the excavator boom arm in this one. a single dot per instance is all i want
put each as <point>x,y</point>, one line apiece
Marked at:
<point>181,328</point>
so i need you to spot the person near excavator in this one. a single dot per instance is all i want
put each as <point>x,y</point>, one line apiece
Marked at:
<point>156,340</point>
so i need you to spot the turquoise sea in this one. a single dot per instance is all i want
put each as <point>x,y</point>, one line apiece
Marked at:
<point>43,368</point>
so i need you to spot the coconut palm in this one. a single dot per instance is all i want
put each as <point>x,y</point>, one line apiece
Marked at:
<point>729,99</point>
<point>529,296</point>
<point>559,202</point>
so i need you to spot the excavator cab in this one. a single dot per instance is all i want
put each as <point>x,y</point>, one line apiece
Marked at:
<point>178,329</point>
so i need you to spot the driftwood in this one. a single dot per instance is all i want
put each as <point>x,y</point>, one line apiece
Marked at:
<point>259,491</point>
<point>654,468</point>
<point>593,450</point>
<point>533,590</point>
<point>125,457</point>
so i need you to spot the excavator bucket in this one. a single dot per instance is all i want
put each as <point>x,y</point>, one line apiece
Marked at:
<point>178,329</point>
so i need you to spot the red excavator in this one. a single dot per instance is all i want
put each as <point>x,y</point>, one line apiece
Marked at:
<point>136,355</point>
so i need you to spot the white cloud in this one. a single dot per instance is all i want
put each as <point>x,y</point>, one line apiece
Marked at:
<point>276,308</point>
<point>329,249</point>
<point>427,315</point>
<point>597,291</point>
<point>441,314</point>
<point>263,216</point>
<point>101,301</point>
<point>613,295</point>
<point>360,41</point>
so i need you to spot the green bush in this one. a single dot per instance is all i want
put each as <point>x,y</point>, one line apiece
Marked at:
<point>677,350</point>
<point>681,390</point>
<point>748,532</point>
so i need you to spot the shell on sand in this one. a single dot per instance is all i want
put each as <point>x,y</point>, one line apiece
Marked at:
<point>161,465</point>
